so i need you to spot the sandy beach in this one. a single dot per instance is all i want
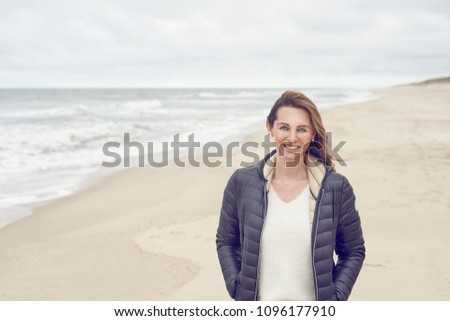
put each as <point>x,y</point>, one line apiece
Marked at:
<point>149,233</point>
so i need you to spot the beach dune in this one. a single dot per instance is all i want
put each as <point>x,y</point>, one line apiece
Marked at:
<point>149,233</point>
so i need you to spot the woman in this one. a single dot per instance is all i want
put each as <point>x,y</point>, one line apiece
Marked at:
<point>282,220</point>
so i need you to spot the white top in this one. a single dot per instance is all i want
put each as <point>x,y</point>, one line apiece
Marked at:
<point>285,271</point>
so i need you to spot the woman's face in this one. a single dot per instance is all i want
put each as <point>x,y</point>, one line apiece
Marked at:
<point>292,131</point>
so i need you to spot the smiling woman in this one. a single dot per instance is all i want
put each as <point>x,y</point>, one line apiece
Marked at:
<point>283,220</point>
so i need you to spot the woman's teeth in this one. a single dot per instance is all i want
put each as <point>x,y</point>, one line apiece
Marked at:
<point>291,147</point>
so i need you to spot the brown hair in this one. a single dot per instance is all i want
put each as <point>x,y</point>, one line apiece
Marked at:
<point>295,99</point>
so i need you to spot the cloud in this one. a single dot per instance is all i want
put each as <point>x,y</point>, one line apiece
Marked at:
<point>217,43</point>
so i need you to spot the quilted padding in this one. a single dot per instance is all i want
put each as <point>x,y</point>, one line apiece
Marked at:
<point>336,227</point>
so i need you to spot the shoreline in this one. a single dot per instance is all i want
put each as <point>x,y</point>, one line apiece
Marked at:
<point>97,175</point>
<point>148,234</point>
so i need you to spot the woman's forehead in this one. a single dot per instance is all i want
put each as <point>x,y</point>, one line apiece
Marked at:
<point>292,115</point>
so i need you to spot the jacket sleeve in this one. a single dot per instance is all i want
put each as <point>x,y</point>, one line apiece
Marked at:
<point>350,247</point>
<point>228,237</point>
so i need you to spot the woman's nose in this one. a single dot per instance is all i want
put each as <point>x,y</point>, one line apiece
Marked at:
<point>292,136</point>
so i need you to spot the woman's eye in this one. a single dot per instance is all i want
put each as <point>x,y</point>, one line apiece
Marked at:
<point>283,127</point>
<point>302,130</point>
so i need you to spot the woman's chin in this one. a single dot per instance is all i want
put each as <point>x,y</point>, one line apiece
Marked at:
<point>289,157</point>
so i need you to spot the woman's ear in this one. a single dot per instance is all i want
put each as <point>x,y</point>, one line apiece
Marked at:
<point>269,128</point>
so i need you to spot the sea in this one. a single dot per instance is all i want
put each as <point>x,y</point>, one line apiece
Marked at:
<point>53,141</point>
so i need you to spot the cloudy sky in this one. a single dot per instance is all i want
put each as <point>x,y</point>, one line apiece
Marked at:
<point>201,43</point>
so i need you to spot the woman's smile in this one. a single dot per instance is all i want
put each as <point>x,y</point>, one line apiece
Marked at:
<point>290,147</point>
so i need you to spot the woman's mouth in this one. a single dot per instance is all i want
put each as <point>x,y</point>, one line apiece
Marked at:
<point>290,147</point>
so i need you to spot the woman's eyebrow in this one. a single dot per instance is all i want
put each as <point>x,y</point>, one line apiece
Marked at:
<point>281,123</point>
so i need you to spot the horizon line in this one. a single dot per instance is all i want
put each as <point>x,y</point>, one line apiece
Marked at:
<point>441,79</point>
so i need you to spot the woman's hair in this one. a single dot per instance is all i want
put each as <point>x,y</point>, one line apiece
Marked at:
<point>295,99</point>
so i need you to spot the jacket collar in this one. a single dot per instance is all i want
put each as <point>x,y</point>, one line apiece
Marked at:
<point>316,170</point>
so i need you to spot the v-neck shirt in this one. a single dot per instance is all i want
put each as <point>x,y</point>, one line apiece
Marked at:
<point>285,271</point>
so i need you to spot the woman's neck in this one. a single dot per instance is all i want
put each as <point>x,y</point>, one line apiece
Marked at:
<point>286,170</point>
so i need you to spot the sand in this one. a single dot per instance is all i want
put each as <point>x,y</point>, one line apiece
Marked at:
<point>149,233</point>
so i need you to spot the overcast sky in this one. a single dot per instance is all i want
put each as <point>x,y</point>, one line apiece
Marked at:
<point>227,43</point>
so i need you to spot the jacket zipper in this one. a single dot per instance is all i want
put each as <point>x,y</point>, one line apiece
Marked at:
<point>260,238</point>
<point>314,234</point>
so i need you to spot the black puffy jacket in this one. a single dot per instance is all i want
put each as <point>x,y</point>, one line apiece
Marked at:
<point>335,228</point>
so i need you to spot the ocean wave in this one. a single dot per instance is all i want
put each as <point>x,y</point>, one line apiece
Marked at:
<point>143,104</point>
<point>38,113</point>
<point>119,109</point>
